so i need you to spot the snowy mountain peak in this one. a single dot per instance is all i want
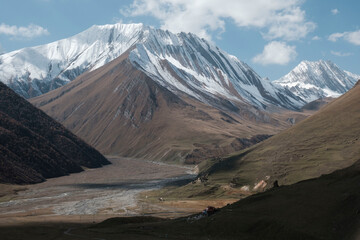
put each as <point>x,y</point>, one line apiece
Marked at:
<point>313,80</point>
<point>129,26</point>
<point>109,32</point>
<point>186,63</point>
<point>37,70</point>
<point>182,63</point>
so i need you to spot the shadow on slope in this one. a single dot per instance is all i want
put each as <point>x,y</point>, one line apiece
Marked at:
<point>33,146</point>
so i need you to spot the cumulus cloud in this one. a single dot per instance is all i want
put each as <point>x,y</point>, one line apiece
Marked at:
<point>30,31</point>
<point>276,52</point>
<point>316,38</point>
<point>341,54</point>
<point>290,25</point>
<point>334,11</point>
<point>276,19</point>
<point>351,37</point>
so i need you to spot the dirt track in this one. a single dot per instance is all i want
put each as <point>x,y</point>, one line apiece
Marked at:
<point>95,194</point>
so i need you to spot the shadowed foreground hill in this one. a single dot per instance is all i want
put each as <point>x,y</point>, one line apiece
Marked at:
<point>34,147</point>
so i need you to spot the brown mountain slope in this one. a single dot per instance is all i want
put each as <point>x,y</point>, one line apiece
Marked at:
<point>120,110</point>
<point>317,104</point>
<point>327,141</point>
<point>34,147</point>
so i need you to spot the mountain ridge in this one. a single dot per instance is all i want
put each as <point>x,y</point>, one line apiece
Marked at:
<point>180,62</point>
<point>121,110</point>
<point>312,80</point>
<point>55,64</point>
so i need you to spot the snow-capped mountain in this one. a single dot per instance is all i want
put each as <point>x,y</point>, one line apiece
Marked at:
<point>182,63</point>
<point>188,64</point>
<point>37,70</point>
<point>314,80</point>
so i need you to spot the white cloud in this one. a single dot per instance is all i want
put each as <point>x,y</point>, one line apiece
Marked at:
<point>26,32</point>
<point>341,54</point>
<point>335,36</point>
<point>290,26</point>
<point>277,18</point>
<point>316,38</point>
<point>276,53</point>
<point>351,37</point>
<point>334,11</point>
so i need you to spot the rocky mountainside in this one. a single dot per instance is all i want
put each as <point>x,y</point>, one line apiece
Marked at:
<point>185,63</point>
<point>182,63</point>
<point>121,110</point>
<point>34,147</point>
<point>314,80</point>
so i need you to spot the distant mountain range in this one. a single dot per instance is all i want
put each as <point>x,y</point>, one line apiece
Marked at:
<point>34,147</point>
<point>120,110</point>
<point>314,80</point>
<point>142,92</point>
<point>161,82</point>
<point>182,63</point>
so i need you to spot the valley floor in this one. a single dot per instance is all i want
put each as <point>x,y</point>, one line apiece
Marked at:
<point>70,207</point>
<point>93,195</point>
<point>98,194</point>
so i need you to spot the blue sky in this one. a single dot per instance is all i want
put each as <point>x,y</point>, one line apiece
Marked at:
<point>271,36</point>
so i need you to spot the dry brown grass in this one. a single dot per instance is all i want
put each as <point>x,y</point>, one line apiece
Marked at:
<point>321,144</point>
